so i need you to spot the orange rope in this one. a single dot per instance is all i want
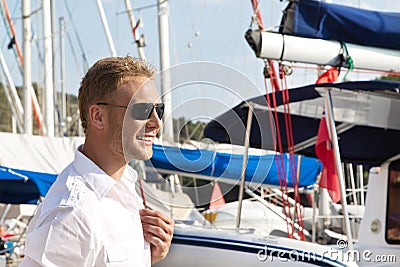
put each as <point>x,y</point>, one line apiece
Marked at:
<point>17,48</point>
<point>8,16</point>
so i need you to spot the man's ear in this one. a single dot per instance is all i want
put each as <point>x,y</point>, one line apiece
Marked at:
<point>96,116</point>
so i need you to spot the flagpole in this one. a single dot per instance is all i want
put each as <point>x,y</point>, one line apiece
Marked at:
<point>332,130</point>
<point>244,164</point>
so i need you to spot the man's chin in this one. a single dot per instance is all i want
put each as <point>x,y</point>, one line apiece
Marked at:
<point>148,154</point>
<point>145,155</point>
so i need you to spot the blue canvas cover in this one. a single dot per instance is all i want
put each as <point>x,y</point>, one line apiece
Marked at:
<point>23,187</point>
<point>355,144</point>
<point>315,19</point>
<point>260,169</point>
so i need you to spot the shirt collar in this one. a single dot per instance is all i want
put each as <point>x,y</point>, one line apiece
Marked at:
<point>96,178</point>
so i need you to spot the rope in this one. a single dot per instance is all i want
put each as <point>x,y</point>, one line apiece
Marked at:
<point>290,142</point>
<point>347,58</point>
<point>85,61</point>
<point>280,162</point>
<point>11,30</point>
<point>257,14</point>
<point>270,73</point>
<point>293,165</point>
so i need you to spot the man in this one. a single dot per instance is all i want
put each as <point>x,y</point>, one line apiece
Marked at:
<point>92,215</point>
<point>2,241</point>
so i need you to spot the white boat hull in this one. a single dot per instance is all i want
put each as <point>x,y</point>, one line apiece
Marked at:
<point>211,247</point>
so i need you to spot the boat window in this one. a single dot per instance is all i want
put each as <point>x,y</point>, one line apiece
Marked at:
<point>393,208</point>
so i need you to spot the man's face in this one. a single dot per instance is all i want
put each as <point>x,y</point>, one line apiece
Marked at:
<point>130,137</point>
<point>2,230</point>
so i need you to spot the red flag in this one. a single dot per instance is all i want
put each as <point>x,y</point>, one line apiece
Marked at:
<point>324,149</point>
<point>217,199</point>
<point>325,153</point>
<point>329,76</point>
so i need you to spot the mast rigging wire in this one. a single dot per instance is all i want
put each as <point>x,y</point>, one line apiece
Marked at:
<point>85,61</point>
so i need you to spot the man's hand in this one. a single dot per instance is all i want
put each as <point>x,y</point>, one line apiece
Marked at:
<point>157,230</point>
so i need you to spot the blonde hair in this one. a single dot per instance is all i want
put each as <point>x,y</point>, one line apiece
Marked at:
<point>105,77</point>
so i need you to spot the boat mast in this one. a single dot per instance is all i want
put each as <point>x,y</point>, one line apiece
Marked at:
<point>106,28</point>
<point>244,164</point>
<point>27,83</point>
<point>62,76</point>
<point>163,30</point>
<point>134,25</point>
<point>335,143</point>
<point>17,52</point>
<point>48,68</point>
<point>58,119</point>
<point>12,96</point>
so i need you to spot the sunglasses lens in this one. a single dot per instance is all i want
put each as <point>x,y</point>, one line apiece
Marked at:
<point>142,111</point>
<point>160,110</point>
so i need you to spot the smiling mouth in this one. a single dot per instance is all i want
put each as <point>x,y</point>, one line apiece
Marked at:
<point>147,139</point>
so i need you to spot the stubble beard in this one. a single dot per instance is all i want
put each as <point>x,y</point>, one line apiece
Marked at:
<point>133,148</point>
<point>114,138</point>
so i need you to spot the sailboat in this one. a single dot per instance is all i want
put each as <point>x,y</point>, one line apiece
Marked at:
<point>208,246</point>
<point>378,243</point>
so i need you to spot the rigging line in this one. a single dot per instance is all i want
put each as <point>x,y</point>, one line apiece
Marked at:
<point>299,206</point>
<point>289,168</point>
<point>371,72</point>
<point>139,40</point>
<point>284,203</point>
<point>10,29</point>
<point>9,34</point>
<point>257,13</point>
<point>275,148</point>
<point>274,75</point>
<point>257,7</point>
<point>273,134</point>
<point>73,53</point>
<point>209,20</point>
<point>289,137</point>
<point>135,9</point>
<point>199,15</point>
<point>36,42</point>
<point>281,165</point>
<point>85,61</point>
<point>290,141</point>
<point>275,85</point>
<point>290,149</point>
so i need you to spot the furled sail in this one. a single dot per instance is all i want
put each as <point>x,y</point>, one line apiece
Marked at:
<point>321,20</point>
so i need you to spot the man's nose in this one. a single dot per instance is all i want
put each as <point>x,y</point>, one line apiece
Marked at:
<point>154,121</point>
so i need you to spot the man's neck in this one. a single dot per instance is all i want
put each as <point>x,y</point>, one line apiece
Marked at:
<point>113,165</point>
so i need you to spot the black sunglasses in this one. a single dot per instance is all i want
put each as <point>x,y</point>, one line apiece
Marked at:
<point>140,111</point>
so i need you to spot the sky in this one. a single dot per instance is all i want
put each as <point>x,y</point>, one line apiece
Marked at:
<point>200,30</point>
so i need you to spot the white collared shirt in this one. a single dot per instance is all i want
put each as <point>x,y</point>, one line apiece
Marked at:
<point>88,219</point>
